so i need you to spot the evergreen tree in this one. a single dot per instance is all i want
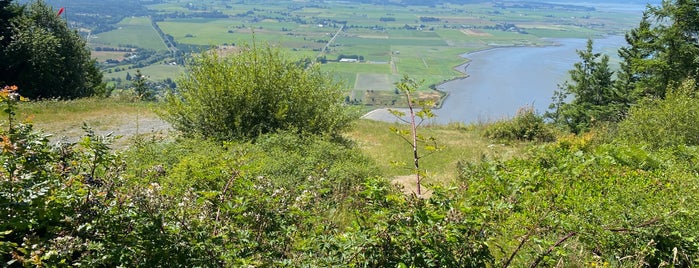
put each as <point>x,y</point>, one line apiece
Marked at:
<point>594,97</point>
<point>141,88</point>
<point>663,50</point>
<point>46,59</point>
<point>8,11</point>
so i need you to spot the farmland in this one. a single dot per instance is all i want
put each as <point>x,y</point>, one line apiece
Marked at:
<point>388,41</point>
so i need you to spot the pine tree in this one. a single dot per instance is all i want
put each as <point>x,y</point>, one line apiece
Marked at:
<point>8,12</point>
<point>594,97</point>
<point>141,87</point>
<point>663,50</point>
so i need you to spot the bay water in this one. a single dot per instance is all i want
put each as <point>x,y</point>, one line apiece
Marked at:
<point>502,80</point>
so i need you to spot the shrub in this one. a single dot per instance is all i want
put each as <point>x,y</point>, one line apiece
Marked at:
<point>664,122</point>
<point>254,92</point>
<point>570,205</point>
<point>525,126</point>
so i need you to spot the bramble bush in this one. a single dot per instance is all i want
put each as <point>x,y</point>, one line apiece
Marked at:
<point>54,196</point>
<point>667,122</point>
<point>307,200</point>
<point>572,202</point>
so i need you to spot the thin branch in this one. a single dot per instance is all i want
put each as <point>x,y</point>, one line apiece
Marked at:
<point>642,225</point>
<point>560,241</point>
<point>519,247</point>
<point>223,199</point>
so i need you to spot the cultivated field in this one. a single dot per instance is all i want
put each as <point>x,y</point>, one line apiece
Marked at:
<point>134,31</point>
<point>390,41</point>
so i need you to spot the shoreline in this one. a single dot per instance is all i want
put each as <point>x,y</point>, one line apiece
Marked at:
<point>461,68</point>
<point>489,113</point>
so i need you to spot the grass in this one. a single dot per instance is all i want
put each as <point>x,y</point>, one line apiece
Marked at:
<point>136,31</point>
<point>128,119</point>
<point>66,118</point>
<point>156,72</point>
<point>102,56</point>
<point>371,81</point>
<point>462,143</point>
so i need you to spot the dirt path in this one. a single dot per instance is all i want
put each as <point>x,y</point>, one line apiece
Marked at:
<point>125,126</point>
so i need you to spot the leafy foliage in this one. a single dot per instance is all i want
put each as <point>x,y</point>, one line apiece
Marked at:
<point>574,202</point>
<point>141,88</point>
<point>665,122</point>
<point>254,92</point>
<point>53,197</point>
<point>45,58</point>
<point>525,126</point>
<point>419,111</point>
<point>408,231</point>
<point>295,199</point>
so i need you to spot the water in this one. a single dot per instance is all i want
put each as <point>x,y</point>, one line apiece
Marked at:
<point>502,80</point>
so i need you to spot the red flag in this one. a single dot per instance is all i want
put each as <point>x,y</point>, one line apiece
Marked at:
<point>60,11</point>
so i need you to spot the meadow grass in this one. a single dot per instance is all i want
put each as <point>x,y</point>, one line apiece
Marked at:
<point>65,119</point>
<point>374,138</point>
<point>155,72</point>
<point>136,31</point>
<point>372,81</point>
<point>357,67</point>
<point>230,31</point>
<point>461,143</point>
<point>101,56</point>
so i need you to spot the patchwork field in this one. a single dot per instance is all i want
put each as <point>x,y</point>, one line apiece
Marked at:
<point>389,41</point>
<point>133,31</point>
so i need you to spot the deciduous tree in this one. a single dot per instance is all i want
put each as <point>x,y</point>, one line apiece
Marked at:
<point>46,59</point>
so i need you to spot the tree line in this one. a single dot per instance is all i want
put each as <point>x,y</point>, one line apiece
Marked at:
<point>661,54</point>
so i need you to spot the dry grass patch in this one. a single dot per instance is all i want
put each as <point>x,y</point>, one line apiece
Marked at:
<point>66,118</point>
<point>471,32</point>
<point>102,56</point>
<point>461,143</point>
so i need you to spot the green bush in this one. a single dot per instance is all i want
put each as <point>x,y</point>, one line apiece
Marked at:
<point>525,126</point>
<point>253,92</point>
<point>587,206</point>
<point>665,122</point>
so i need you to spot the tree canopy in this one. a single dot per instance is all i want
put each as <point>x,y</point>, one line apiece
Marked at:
<point>663,50</point>
<point>43,56</point>
<point>594,97</point>
<point>253,92</point>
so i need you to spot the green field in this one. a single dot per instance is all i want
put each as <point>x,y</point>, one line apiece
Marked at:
<point>423,42</point>
<point>134,31</point>
<point>156,72</point>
